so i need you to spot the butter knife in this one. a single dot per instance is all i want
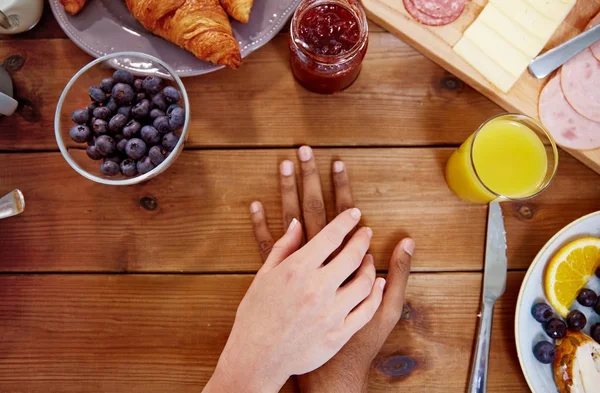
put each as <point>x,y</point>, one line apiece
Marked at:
<point>494,284</point>
<point>12,204</point>
<point>545,64</point>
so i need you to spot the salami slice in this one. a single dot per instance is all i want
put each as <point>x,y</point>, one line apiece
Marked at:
<point>441,8</point>
<point>427,19</point>
<point>595,47</point>
<point>569,128</point>
<point>580,81</point>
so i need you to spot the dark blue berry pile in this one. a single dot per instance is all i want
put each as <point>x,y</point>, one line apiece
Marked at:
<point>555,328</point>
<point>131,124</point>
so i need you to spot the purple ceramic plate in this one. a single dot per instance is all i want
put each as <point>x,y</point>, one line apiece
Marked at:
<point>106,26</point>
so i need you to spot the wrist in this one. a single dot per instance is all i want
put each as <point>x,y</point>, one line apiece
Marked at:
<point>234,374</point>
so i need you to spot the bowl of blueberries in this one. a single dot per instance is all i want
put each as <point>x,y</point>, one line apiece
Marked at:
<point>122,119</point>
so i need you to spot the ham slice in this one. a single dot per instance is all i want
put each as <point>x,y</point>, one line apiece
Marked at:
<point>595,47</point>
<point>569,128</point>
<point>428,19</point>
<point>580,81</point>
<point>441,8</point>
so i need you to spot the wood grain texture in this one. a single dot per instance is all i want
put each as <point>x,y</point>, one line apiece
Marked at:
<point>400,98</point>
<point>200,222</point>
<point>436,43</point>
<point>147,333</point>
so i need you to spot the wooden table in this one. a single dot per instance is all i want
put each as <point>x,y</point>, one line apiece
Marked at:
<point>126,290</point>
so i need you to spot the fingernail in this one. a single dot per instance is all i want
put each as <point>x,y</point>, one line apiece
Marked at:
<point>338,167</point>
<point>369,232</point>
<point>286,168</point>
<point>382,283</point>
<point>292,225</point>
<point>305,153</point>
<point>255,207</point>
<point>355,213</point>
<point>408,245</point>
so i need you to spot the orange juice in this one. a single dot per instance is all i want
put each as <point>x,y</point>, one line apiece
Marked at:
<point>505,158</point>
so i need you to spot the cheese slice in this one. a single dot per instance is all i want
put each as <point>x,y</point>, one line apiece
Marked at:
<point>497,48</point>
<point>556,10</point>
<point>486,66</point>
<point>512,32</point>
<point>527,17</point>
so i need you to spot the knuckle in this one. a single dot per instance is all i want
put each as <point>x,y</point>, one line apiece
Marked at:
<point>288,188</point>
<point>311,298</point>
<point>332,238</point>
<point>314,205</point>
<point>309,170</point>
<point>403,265</point>
<point>266,246</point>
<point>340,181</point>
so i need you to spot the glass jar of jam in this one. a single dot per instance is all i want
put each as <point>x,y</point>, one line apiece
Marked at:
<point>328,42</point>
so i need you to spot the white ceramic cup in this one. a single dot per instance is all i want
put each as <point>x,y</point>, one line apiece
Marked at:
<point>8,105</point>
<point>19,15</point>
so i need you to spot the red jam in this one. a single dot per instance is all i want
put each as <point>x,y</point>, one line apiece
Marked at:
<point>328,42</point>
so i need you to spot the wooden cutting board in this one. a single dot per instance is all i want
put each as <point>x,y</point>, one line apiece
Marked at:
<point>437,42</point>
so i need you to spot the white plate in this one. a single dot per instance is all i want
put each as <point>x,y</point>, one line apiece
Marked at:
<point>106,26</point>
<point>528,331</point>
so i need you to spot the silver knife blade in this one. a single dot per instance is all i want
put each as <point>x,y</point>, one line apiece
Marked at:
<point>496,263</point>
<point>545,64</point>
<point>6,85</point>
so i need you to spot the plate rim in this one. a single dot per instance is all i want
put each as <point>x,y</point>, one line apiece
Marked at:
<point>245,51</point>
<point>532,267</point>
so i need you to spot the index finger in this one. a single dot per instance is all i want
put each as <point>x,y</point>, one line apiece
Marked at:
<point>397,279</point>
<point>330,238</point>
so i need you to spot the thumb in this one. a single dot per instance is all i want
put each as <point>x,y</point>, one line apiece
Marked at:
<point>286,246</point>
<point>397,280</point>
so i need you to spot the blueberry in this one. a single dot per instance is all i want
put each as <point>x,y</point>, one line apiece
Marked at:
<point>157,154</point>
<point>144,165</point>
<point>80,133</point>
<point>135,148</point>
<point>542,312</point>
<point>177,118</point>
<point>544,352</point>
<point>597,307</point>
<point>170,109</point>
<point>116,159</point>
<point>555,328</point>
<point>159,101</point>
<point>107,85</point>
<point>171,94</point>
<point>587,297</point>
<point>91,106</point>
<point>595,332</point>
<point>123,76</point>
<point>97,94</point>
<point>92,141</point>
<point>109,168</point>
<point>112,105</point>
<point>128,167</point>
<point>576,321</point>
<point>93,153</point>
<point>169,141</point>
<point>102,112</point>
<point>105,145</point>
<point>154,113</point>
<point>150,135</point>
<point>138,85</point>
<point>118,137</point>
<point>141,109</point>
<point>80,116</point>
<point>152,84</point>
<point>161,123</point>
<point>125,110</point>
<point>100,126</point>
<point>123,94</point>
<point>117,122</point>
<point>139,97</point>
<point>132,128</point>
<point>121,145</point>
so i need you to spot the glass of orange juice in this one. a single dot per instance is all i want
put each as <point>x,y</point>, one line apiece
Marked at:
<point>510,157</point>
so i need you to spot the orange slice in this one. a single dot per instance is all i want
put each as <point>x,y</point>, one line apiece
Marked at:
<point>569,271</point>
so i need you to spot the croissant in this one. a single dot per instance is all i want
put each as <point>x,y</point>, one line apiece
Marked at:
<point>73,6</point>
<point>200,26</point>
<point>238,9</point>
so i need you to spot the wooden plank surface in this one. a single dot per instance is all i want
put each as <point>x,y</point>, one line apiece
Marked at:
<point>157,333</point>
<point>200,222</point>
<point>437,42</point>
<point>400,98</point>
